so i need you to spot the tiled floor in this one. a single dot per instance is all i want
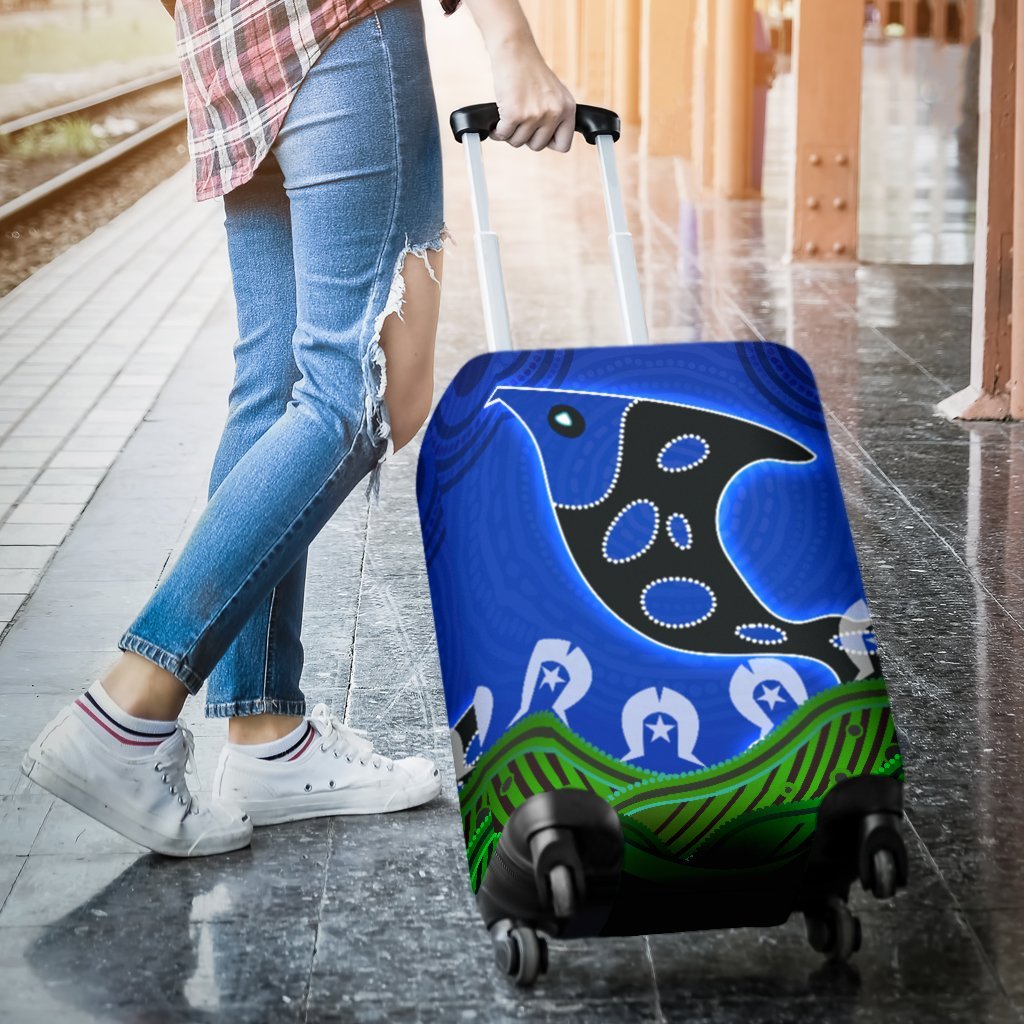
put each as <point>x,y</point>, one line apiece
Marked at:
<point>85,347</point>
<point>371,920</point>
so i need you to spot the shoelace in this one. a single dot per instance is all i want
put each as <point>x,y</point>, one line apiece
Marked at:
<point>353,743</point>
<point>174,767</point>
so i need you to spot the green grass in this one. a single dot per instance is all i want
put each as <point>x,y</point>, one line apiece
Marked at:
<point>61,42</point>
<point>70,136</point>
<point>737,809</point>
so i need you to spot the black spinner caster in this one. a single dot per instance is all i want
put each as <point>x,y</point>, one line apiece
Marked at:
<point>563,891</point>
<point>883,856</point>
<point>521,954</point>
<point>884,876</point>
<point>833,930</point>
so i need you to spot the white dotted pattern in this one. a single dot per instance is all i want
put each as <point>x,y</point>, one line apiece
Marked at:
<point>678,625</point>
<point>762,625</point>
<point>469,743</point>
<point>614,522</point>
<point>864,636</point>
<point>691,465</point>
<point>618,461</point>
<point>672,536</point>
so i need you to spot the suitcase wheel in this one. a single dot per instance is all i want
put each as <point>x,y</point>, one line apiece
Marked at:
<point>563,891</point>
<point>884,874</point>
<point>882,860</point>
<point>520,953</point>
<point>833,930</point>
<point>556,866</point>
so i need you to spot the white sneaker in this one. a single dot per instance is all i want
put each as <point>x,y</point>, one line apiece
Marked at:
<point>146,799</point>
<point>337,771</point>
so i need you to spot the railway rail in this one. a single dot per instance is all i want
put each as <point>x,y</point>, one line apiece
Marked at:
<point>41,194</point>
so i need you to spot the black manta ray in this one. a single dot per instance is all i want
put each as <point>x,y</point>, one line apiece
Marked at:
<point>636,485</point>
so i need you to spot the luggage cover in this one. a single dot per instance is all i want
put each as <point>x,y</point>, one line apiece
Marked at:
<point>643,579</point>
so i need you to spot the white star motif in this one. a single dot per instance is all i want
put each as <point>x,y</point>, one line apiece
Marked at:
<point>552,677</point>
<point>771,696</point>
<point>660,729</point>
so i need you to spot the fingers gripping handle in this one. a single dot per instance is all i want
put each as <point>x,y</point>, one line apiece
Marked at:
<point>481,119</point>
<point>599,127</point>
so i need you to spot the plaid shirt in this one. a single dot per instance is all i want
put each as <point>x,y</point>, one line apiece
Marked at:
<point>242,62</point>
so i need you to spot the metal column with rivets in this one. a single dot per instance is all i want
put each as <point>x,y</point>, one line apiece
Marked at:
<point>992,384</point>
<point>827,58</point>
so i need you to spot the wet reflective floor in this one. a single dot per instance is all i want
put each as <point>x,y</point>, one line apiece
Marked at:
<point>371,919</point>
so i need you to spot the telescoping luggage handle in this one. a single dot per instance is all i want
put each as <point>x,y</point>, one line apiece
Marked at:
<point>601,128</point>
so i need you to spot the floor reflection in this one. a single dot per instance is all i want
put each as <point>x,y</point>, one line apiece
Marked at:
<point>169,941</point>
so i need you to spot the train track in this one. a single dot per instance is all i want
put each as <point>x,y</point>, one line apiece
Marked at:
<point>40,194</point>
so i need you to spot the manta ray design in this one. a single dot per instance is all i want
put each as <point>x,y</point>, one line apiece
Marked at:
<point>635,485</point>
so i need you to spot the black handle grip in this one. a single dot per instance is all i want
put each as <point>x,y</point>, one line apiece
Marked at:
<point>482,119</point>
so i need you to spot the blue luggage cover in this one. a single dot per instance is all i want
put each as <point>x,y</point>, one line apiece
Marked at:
<point>648,541</point>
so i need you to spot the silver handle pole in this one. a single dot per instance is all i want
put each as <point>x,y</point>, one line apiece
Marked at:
<point>620,245</point>
<point>488,252</point>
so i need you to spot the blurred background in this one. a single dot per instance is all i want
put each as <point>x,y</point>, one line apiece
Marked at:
<point>658,62</point>
<point>77,77</point>
<point>57,50</point>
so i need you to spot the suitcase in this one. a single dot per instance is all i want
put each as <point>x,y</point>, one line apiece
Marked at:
<point>666,704</point>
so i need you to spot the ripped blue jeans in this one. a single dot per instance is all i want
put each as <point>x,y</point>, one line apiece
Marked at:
<point>317,240</point>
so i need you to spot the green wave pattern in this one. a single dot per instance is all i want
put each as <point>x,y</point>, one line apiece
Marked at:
<point>743,815</point>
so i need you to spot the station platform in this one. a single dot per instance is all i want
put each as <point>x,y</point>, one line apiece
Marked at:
<point>115,364</point>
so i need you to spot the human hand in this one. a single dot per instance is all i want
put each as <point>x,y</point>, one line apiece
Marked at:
<point>536,108</point>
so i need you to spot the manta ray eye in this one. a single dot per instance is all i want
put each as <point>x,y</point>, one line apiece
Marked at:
<point>565,420</point>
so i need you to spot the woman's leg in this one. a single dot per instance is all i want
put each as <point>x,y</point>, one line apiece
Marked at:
<point>408,343</point>
<point>264,663</point>
<point>361,160</point>
<point>262,667</point>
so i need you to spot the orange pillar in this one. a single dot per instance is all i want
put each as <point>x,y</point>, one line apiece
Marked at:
<point>567,61</point>
<point>594,58</point>
<point>665,86</point>
<point>703,123</point>
<point>558,35</point>
<point>573,41</point>
<point>734,99</point>
<point>1017,323</point>
<point>542,20</point>
<point>993,342</point>
<point>940,20</point>
<point>608,44</point>
<point>627,17</point>
<point>969,21</point>
<point>827,52</point>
